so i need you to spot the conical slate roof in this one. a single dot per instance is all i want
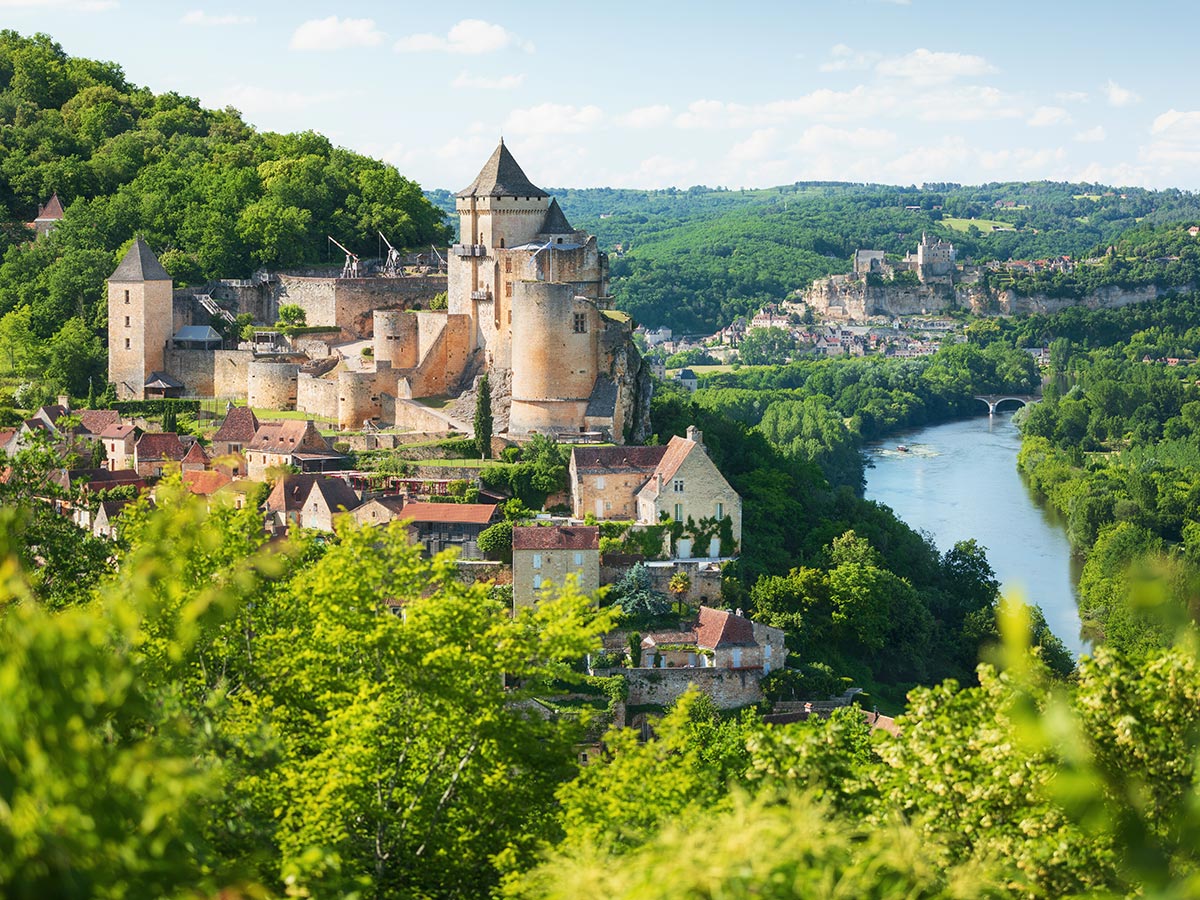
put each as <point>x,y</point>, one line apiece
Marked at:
<point>556,222</point>
<point>501,177</point>
<point>140,264</point>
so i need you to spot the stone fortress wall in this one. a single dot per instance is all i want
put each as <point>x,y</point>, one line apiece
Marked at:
<point>271,384</point>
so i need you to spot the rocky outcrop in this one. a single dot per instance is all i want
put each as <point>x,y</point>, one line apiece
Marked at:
<point>840,297</point>
<point>634,387</point>
<point>843,298</point>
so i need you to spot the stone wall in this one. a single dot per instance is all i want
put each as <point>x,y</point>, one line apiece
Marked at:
<point>210,373</point>
<point>349,303</point>
<point>318,396</point>
<point>272,385</point>
<point>729,688</point>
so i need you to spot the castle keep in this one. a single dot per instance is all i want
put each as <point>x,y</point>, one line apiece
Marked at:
<point>527,301</point>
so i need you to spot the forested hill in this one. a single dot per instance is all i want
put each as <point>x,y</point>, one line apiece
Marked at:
<point>696,259</point>
<point>212,196</point>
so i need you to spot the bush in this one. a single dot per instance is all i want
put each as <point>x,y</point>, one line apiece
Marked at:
<point>496,541</point>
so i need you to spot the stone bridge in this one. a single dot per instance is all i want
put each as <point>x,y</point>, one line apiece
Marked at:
<point>993,401</point>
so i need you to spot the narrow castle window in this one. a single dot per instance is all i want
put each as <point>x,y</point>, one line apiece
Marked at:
<point>508,289</point>
<point>127,321</point>
<point>501,243</point>
<point>127,296</point>
<point>126,343</point>
<point>507,264</point>
<point>580,323</point>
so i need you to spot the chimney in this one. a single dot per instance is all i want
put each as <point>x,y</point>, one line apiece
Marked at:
<point>65,402</point>
<point>695,434</point>
<point>659,476</point>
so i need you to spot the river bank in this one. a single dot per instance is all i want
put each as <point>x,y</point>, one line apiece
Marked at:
<point>959,480</point>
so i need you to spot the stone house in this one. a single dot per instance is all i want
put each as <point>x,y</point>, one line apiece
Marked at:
<point>195,460</point>
<point>548,555</point>
<point>232,438</point>
<point>605,480</point>
<point>686,485</point>
<point>442,526</point>
<point>154,451</point>
<point>719,639</point>
<point>289,442</point>
<point>118,443</point>
<point>308,501</point>
<point>104,522</point>
<point>379,510</point>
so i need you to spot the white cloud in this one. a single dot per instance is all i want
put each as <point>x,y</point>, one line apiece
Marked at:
<point>553,118</point>
<point>821,138</point>
<point>482,82</point>
<point>924,66</point>
<point>659,171</point>
<point>200,17</point>
<point>1183,125</point>
<point>966,103</point>
<point>1071,96</point>
<point>843,58</point>
<point>646,116</point>
<point>860,102</point>
<point>336,34</point>
<point>1048,115</point>
<point>1119,96</point>
<point>470,36</point>
<point>1092,135</point>
<point>252,99</point>
<point>758,145</point>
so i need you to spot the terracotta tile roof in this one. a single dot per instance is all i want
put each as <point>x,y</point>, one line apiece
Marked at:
<point>605,460</point>
<point>206,483</point>
<point>287,436</point>
<point>196,455</point>
<point>557,537</point>
<point>658,638</point>
<point>239,426</point>
<point>718,628</point>
<point>94,421</point>
<point>160,445</point>
<point>454,513</point>
<point>677,451</point>
<point>117,432</point>
<point>7,435</point>
<point>52,210</point>
<point>97,479</point>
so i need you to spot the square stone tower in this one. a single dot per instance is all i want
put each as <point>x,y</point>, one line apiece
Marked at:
<point>140,320</point>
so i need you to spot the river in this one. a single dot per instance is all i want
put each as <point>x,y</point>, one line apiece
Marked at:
<point>960,480</point>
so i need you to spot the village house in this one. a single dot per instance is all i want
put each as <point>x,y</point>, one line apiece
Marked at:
<point>719,639</point>
<point>233,437</point>
<point>550,554</point>
<point>443,526</point>
<point>118,441</point>
<point>104,522</point>
<point>687,379</point>
<point>605,480</point>
<point>308,501</point>
<point>195,460</point>
<point>154,451</point>
<point>289,442</point>
<point>205,483</point>
<point>380,510</point>
<point>687,486</point>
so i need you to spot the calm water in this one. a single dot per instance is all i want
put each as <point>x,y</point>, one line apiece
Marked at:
<point>959,481</point>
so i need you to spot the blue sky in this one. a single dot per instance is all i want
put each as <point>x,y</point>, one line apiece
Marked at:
<point>740,94</point>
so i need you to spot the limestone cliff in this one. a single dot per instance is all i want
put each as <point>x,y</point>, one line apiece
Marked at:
<point>843,298</point>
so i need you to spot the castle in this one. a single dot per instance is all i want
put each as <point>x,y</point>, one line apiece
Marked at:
<point>527,302</point>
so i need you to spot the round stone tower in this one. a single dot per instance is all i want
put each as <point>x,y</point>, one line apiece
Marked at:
<point>554,356</point>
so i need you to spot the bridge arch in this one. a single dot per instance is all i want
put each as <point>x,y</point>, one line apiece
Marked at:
<point>993,401</point>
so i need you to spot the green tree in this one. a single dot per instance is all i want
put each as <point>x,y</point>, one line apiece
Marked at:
<point>483,418</point>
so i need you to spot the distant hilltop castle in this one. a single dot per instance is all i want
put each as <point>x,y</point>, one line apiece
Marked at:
<point>527,301</point>
<point>933,263</point>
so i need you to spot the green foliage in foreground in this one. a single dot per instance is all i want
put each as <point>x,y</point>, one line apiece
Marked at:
<point>218,713</point>
<point>1020,787</point>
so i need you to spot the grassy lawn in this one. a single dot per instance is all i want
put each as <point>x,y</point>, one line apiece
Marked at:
<point>987,226</point>
<point>435,402</point>
<point>458,463</point>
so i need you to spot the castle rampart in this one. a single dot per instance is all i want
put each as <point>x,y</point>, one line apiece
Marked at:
<point>271,384</point>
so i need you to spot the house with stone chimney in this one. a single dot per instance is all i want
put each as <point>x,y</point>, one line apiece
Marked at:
<point>550,554</point>
<point>288,442</point>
